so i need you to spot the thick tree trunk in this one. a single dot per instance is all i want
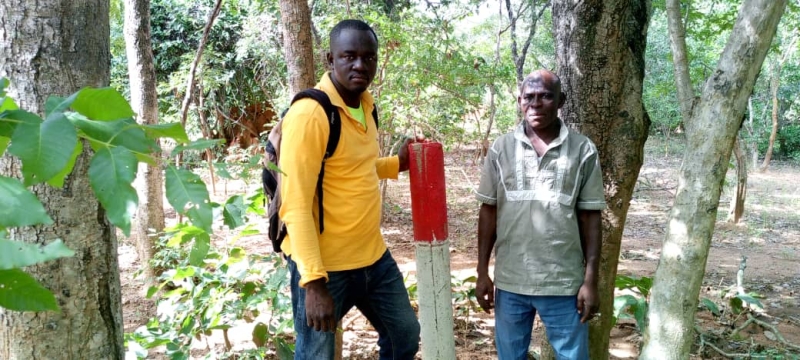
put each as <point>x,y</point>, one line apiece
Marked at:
<point>680,59</point>
<point>710,135</point>
<point>298,44</point>
<point>740,194</point>
<point>144,100</point>
<point>600,47</point>
<point>55,47</point>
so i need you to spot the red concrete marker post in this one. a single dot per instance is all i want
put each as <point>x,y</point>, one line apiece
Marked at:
<point>429,215</point>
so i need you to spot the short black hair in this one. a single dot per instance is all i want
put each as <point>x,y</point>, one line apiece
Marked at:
<point>351,24</point>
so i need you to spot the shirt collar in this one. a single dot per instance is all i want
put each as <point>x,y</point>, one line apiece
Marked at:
<point>563,132</point>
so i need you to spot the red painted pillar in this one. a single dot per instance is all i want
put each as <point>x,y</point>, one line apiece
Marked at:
<point>429,215</point>
<point>428,197</point>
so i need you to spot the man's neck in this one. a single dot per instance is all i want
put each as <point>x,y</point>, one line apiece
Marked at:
<point>546,135</point>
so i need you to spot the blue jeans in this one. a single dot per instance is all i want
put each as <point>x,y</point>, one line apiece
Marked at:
<point>514,315</point>
<point>378,292</point>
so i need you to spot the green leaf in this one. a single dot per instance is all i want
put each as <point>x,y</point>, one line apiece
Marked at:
<point>201,144</point>
<point>104,104</point>
<point>111,173</point>
<point>7,103</point>
<point>188,194</point>
<point>20,292</point>
<point>126,133</point>
<point>736,305</point>
<point>202,243</point>
<point>17,254</point>
<point>260,334</point>
<point>170,130</point>
<point>748,298</point>
<point>43,146</point>
<point>285,351</point>
<point>621,303</point>
<point>56,103</point>
<point>640,313</point>
<point>233,212</point>
<point>4,82</point>
<point>3,144</point>
<point>18,206</point>
<point>57,181</point>
<point>711,306</point>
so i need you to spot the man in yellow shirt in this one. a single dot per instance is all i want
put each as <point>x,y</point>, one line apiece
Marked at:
<point>347,264</point>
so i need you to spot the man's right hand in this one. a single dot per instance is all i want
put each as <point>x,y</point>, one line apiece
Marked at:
<point>484,291</point>
<point>319,306</point>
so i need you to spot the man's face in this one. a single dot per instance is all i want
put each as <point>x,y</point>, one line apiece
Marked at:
<point>354,60</point>
<point>539,102</point>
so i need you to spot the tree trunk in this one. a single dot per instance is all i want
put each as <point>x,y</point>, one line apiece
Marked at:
<point>774,86</point>
<point>710,134</point>
<point>600,47</point>
<point>144,100</point>
<point>737,201</point>
<point>680,59</point>
<point>298,44</point>
<point>56,47</point>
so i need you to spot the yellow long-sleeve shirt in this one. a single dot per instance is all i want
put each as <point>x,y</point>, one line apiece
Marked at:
<point>352,203</point>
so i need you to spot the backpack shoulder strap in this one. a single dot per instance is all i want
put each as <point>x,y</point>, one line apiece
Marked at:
<point>333,117</point>
<point>335,122</point>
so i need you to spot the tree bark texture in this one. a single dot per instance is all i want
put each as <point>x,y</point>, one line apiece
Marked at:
<point>740,194</point>
<point>144,100</point>
<point>298,44</point>
<point>680,58</point>
<point>775,82</point>
<point>55,47</point>
<point>710,134</point>
<point>600,48</point>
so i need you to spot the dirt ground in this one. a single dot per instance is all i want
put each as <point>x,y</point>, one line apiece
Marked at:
<point>768,235</point>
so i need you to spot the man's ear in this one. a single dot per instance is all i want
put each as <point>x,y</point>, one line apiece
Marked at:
<point>329,57</point>
<point>562,99</point>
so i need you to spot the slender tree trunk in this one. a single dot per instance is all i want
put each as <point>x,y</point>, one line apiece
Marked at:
<point>56,47</point>
<point>600,48</point>
<point>680,59</point>
<point>710,135</point>
<point>737,201</point>
<point>298,44</point>
<point>774,86</point>
<point>144,100</point>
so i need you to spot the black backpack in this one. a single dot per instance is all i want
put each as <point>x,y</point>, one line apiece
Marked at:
<point>271,178</point>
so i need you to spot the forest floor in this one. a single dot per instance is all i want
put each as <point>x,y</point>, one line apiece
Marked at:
<point>769,235</point>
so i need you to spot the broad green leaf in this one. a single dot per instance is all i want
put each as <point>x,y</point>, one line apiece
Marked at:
<point>221,169</point>
<point>170,130</point>
<point>621,303</point>
<point>104,104</point>
<point>711,306</point>
<point>44,147</point>
<point>188,194</point>
<point>18,206</point>
<point>202,243</point>
<point>285,350</point>
<point>736,305</point>
<point>57,181</point>
<point>202,217</point>
<point>126,133</point>
<point>260,334</point>
<point>233,212</point>
<point>55,103</point>
<point>3,144</point>
<point>20,292</point>
<point>17,254</point>
<point>7,103</point>
<point>111,173</point>
<point>201,144</point>
<point>748,298</point>
<point>640,313</point>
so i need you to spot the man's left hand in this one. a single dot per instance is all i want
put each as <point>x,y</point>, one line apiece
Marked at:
<point>588,302</point>
<point>402,154</point>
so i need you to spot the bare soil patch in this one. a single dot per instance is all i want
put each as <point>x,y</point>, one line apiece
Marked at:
<point>769,235</point>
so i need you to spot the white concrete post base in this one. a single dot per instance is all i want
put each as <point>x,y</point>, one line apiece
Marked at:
<point>435,300</point>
